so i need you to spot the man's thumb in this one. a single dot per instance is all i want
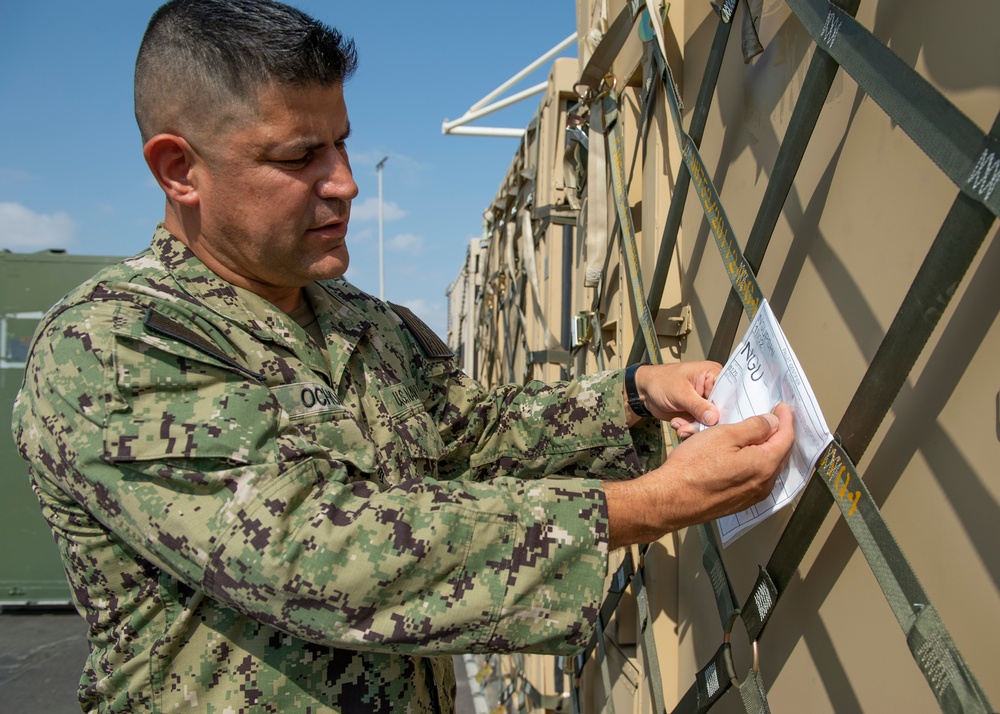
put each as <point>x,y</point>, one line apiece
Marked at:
<point>757,429</point>
<point>707,413</point>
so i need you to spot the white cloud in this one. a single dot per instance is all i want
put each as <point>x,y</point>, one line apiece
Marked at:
<point>367,210</point>
<point>14,176</point>
<point>406,242</point>
<point>21,229</point>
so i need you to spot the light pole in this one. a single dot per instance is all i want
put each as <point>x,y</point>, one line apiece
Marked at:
<point>381,244</point>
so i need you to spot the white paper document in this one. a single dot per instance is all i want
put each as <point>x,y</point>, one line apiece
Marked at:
<point>761,372</point>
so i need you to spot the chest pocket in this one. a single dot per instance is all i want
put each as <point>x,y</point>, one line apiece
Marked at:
<point>176,402</point>
<point>407,438</point>
<point>322,426</point>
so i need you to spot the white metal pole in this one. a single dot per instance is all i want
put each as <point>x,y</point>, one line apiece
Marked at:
<point>448,126</point>
<point>523,73</point>
<point>486,131</point>
<point>381,243</point>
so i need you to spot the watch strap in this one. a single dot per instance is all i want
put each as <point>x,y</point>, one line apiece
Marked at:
<point>632,393</point>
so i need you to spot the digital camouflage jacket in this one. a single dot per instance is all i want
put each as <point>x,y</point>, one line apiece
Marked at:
<point>249,526</point>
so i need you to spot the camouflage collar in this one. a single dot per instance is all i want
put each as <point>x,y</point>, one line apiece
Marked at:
<point>343,322</point>
<point>207,288</point>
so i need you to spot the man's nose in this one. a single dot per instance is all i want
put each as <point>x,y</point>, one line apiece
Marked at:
<point>337,180</point>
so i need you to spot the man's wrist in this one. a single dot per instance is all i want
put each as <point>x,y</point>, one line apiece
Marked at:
<point>634,511</point>
<point>635,402</point>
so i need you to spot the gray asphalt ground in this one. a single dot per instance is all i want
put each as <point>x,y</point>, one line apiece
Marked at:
<point>42,654</point>
<point>41,657</point>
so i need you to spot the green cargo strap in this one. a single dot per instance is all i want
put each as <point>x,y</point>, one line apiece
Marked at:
<point>725,10</point>
<point>818,81</point>
<point>961,234</point>
<point>616,155</point>
<point>715,679</point>
<point>696,129</point>
<point>616,151</point>
<point>949,677</point>
<point>725,596</point>
<point>740,274</point>
<point>562,357</point>
<point>753,695</point>
<point>593,76</point>
<point>721,586</point>
<point>750,41</point>
<point>718,578</point>
<point>960,149</point>
<point>744,283</point>
<point>652,662</point>
<point>555,703</point>
<point>759,606</point>
<point>602,662</point>
<point>546,702</point>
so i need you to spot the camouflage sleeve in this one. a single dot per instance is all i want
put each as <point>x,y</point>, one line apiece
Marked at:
<point>190,467</point>
<point>569,429</point>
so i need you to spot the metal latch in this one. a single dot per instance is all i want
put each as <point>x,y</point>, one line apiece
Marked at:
<point>582,328</point>
<point>674,325</point>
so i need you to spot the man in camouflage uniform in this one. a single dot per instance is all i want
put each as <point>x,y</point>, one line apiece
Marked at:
<point>275,493</point>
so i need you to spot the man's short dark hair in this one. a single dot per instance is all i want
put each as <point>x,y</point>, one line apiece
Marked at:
<point>199,54</point>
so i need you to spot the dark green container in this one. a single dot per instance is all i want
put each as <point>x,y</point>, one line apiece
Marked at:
<point>31,572</point>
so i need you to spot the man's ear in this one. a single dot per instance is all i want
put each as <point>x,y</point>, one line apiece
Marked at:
<point>172,160</point>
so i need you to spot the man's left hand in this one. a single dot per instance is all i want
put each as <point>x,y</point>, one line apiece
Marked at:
<point>678,393</point>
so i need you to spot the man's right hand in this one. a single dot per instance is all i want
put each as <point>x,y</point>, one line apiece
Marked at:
<point>714,473</point>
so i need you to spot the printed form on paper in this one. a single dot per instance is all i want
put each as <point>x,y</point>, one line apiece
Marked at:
<point>763,371</point>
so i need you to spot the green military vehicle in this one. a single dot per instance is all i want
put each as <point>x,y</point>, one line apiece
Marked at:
<point>31,573</point>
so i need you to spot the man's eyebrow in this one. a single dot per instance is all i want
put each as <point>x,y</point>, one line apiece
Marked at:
<point>304,144</point>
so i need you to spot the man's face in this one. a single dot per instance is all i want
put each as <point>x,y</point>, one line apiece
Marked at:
<point>275,192</point>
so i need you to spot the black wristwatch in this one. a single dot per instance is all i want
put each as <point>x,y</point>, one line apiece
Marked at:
<point>634,403</point>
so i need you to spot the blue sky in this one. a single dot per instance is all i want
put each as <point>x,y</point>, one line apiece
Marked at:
<point>71,168</point>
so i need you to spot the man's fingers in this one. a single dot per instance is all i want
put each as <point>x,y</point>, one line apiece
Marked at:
<point>698,407</point>
<point>684,427</point>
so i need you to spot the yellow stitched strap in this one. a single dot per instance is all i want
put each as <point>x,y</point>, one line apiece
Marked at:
<point>616,154</point>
